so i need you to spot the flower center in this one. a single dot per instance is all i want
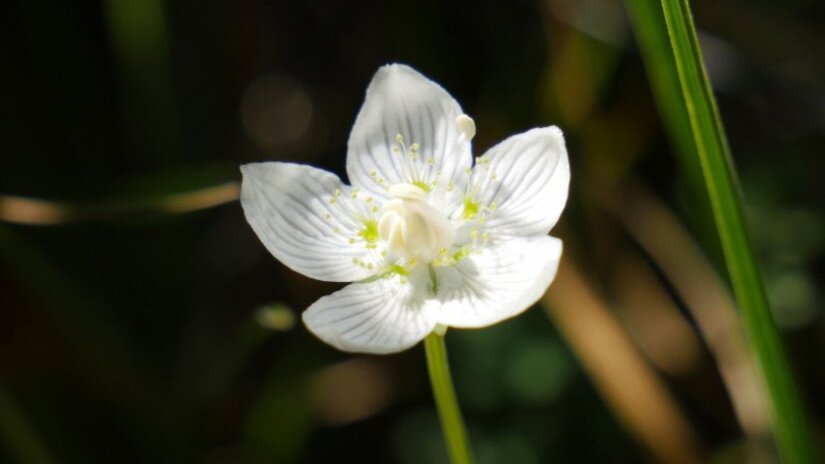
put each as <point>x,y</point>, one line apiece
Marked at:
<point>412,227</point>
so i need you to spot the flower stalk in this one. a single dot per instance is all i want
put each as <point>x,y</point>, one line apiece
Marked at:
<point>452,424</point>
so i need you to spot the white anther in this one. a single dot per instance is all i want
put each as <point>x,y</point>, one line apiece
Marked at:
<point>466,125</point>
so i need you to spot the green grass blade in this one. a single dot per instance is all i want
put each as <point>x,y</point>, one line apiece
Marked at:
<point>709,143</point>
<point>651,35</point>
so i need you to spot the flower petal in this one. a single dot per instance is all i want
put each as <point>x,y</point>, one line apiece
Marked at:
<point>381,316</point>
<point>522,183</point>
<point>307,219</point>
<point>400,101</point>
<point>499,283</point>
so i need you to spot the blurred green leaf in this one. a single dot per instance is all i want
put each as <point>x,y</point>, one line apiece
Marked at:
<point>417,438</point>
<point>100,353</point>
<point>538,370</point>
<point>279,422</point>
<point>140,40</point>
<point>20,439</point>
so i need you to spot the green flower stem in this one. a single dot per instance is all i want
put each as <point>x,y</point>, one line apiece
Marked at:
<point>455,434</point>
<point>790,424</point>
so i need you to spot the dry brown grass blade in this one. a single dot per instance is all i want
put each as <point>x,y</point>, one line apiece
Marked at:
<point>710,304</point>
<point>626,382</point>
<point>31,211</point>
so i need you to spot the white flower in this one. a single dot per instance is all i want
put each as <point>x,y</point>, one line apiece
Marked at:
<point>427,237</point>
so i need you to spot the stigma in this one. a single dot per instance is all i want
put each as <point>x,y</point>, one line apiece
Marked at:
<point>412,227</point>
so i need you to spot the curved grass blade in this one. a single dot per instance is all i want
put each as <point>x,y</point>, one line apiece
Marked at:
<point>790,425</point>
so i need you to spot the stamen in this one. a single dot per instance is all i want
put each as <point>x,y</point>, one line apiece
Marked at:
<point>410,155</point>
<point>470,208</point>
<point>466,125</point>
<point>375,177</point>
<point>370,231</point>
<point>335,196</point>
<point>420,184</point>
<point>453,259</point>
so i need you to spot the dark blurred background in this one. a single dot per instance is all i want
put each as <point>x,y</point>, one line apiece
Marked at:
<point>142,321</point>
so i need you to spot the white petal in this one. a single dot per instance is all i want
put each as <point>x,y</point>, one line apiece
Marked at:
<point>382,316</point>
<point>401,101</point>
<point>499,283</point>
<point>297,215</point>
<point>525,178</point>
